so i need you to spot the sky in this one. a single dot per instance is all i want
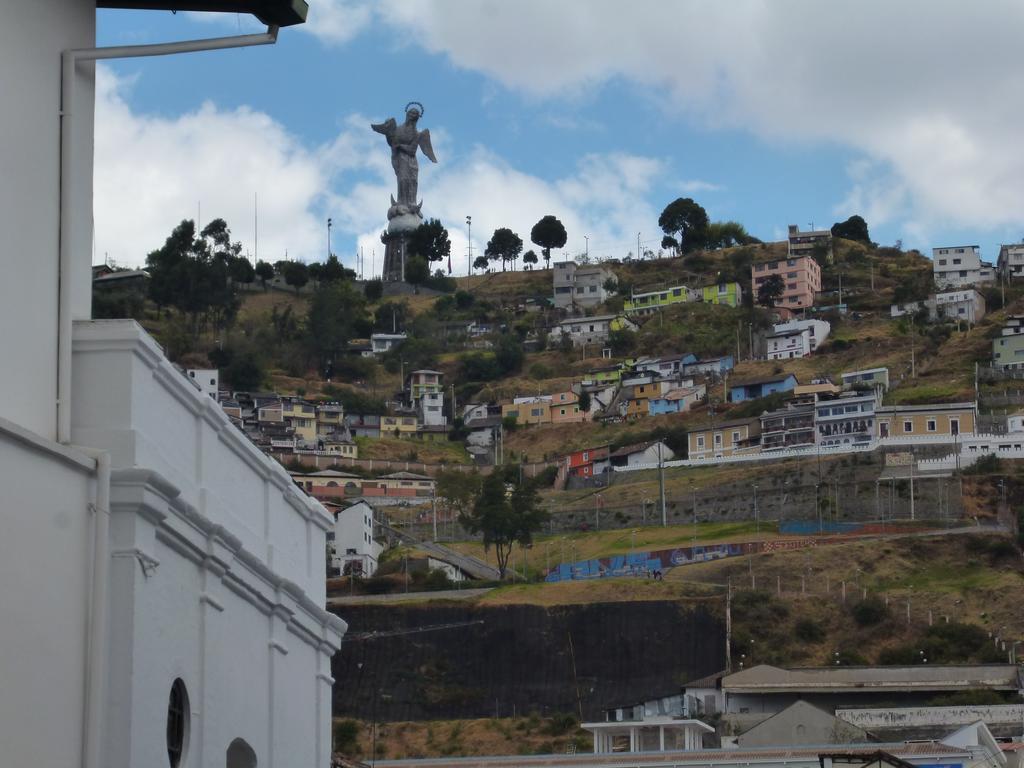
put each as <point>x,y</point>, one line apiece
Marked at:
<point>767,112</point>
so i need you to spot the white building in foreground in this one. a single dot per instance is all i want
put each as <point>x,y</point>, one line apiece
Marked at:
<point>353,548</point>
<point>161,581</point>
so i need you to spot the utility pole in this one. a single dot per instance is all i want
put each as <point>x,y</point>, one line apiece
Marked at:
<point>661,486</point>
<point>469,238</point>
<point>728,626</point>
<point>840,288</point>
<point>638,255</point>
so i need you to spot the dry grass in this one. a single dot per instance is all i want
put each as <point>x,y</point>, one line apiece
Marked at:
<point>523,735</point>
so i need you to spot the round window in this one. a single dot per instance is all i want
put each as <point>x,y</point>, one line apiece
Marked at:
<point>177,723</point>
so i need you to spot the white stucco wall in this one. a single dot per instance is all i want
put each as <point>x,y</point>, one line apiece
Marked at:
<point>32,36</point>
<point>128,399</point>
<point>44,558</point>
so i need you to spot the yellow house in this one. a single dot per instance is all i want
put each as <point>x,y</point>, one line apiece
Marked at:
<point>565,408</point>
<point>302,418</point>
<point>949,419</point>
<point>329,417</point>
<point>528,410</point>
<point>726,439</point>
<point>346,449</point>
<point>403,425</point>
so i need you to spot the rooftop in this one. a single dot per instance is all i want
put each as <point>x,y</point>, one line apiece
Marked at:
<point>281,13</point>
<point>765,678</point>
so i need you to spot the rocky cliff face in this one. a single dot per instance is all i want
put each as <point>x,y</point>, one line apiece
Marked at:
<point>546,659</point>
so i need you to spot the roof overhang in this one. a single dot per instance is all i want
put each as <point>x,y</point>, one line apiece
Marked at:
<point>279,13</point>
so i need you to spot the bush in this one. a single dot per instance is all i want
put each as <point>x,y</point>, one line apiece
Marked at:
<point>373,290</point>
<point>346,735</point>
<point>809,631</point>
<point>560,723</point>
<point>869,612</point>
<point>437,580</point>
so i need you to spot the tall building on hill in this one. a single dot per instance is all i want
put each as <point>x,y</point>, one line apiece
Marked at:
<point>809,241</point>
<point>162,581</point>
<point>579,286</point>
<point>961,265</point>
<point>800,275</point>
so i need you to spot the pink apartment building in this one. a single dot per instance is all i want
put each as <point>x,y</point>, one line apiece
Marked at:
<point>800,274</point>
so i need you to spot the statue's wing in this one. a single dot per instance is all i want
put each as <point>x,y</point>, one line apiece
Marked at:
<point>424,141</point>
<point>387,127</point>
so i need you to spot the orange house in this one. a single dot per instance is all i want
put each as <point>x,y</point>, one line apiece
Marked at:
<point>565,408</point>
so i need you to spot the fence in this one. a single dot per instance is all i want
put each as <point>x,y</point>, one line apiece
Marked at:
<point>321,460</point>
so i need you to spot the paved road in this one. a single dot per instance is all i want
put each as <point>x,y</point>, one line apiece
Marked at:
<point>410,597</point>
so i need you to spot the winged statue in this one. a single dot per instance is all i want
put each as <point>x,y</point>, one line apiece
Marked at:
<point>404,141</point>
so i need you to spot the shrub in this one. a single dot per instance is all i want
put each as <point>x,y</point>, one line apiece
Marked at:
<point>559,723</point>
<point>809,631</point>
<point>869,611</point>
<point>346,734</point>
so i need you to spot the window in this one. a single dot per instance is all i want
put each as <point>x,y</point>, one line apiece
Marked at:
<point>177,723</point>
<point>718,439</point>
<point>593,289</point>
<point>908,426</point>
<point>791,275</point>
<point>735,437</point>
<point>759,267</point>
<point>942,262</point>
<point>954,426</point>
<point>790,262</point>
<point>958,261</point>
<point>586,456</point>
<point>931,425</point>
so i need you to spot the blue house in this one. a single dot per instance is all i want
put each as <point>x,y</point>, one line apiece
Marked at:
<point>716,366</point>
<point>751,390</point>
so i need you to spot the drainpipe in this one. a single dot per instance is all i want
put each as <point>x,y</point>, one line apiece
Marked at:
<point>96,617</point>
<point>69,62</point>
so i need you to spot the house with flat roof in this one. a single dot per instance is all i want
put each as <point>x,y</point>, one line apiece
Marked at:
<point>800,275</point>
<point>579,285</point>
<point>961,265</point>
<point>766,688</point>
<point>591,330</point>
<point>752,389</point>
<point>877,378</point>
<point>1010,263</point>
<point>728,438</point>
<point>649,302</point>
<point>807,242</point>
<point>939,419</point>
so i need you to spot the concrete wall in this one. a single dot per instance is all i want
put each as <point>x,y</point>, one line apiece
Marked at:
<point>32,36</point>
<point>908,717</point>
<point>44,558</point>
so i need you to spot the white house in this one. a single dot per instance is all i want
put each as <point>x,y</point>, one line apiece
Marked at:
<point>967,306</point>
<point>1010,263</point>
<point>382,343</point>
<point>353,548</point>
<point>579,286</point>
<point>591,330</point>
<point>207,379</point>
<point>782,345</point>
<point>959,266</point>
<point>638,454</point>
<point>818,330</point>
<point>162,580</point>
<point>430,409</point>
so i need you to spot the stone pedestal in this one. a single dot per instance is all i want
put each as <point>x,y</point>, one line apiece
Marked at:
<point>402,221</point>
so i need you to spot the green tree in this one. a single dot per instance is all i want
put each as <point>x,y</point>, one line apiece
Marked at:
<point>264,271</point>
<point>240,270</point>
<point>622,341</point>
<point>530,258</point>
<point>505,518</point>
<point>332,270</point>
<point>726,234</point>
<point>336,314</point>
<point>684,223</point>
<point>458,490</point>
<point>504,245</point>
<point>430,240</point>
<point>508,354</point>
<point>245,371</point>
<point>296,274</point>
<point>584,402</point>
<point>771,291</point>
<point>854,228</point>
<point>481,263</point>
<point>548,233</point>
<point>373,290</point>
<point>417,270</point>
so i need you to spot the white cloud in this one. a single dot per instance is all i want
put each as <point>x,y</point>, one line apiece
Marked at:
<point>331,21</point>
<point>927,90</point>
<point>152,171</point>
<point>697,185</point>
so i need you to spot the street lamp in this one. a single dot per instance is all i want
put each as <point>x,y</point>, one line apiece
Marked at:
<point>330,222</point>
<point>587,250</point>
<point>469,238</point>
